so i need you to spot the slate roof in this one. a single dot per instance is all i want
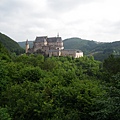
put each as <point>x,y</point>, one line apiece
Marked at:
<point>54,39</point>
<point>40,39</point>
<point>51,39</point>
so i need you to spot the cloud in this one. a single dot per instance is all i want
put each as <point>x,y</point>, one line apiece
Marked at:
<point>88,19</point>
<point>64,5</point>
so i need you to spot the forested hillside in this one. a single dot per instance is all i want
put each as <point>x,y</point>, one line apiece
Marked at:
<point>99,50</point>
<point>58,88</point>
<point>10,44</point>
<point>77,43</point>
<point>102,51</point>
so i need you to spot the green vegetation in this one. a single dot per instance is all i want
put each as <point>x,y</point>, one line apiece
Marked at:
<point>58,88</point>
<point>10,44</point>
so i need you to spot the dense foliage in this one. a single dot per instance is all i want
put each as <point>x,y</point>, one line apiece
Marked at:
<point>58,88</point>
<point>10,44</point>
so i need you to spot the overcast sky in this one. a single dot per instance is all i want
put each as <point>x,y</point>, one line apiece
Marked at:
<point>97,20</point>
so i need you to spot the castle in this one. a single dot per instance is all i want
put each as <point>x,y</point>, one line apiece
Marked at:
<point>51,46</point>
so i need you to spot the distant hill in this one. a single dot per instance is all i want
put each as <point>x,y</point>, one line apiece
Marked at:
<point>102,51</point>
<point>22,44</point>
<point>99,50</point>
<point>77,43</point>
<point>10,44</point>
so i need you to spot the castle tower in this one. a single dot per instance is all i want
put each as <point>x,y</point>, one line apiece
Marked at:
<point>58,35</point>
<point>27,46</point>
<point>45,42</point>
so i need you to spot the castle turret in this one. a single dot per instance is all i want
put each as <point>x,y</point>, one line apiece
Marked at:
<point>27,46</point>
<point>58,35</point>
<point>45,42</point>
<point>59,42</point>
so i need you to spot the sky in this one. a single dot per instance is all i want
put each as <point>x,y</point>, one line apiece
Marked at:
<point>97,20</point>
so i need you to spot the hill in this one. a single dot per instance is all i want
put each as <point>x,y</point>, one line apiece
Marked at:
<point>3,50</point>
<point>104,50</point>
<point>99,50</point>
<point>10,44</point>
<point>77,43</point>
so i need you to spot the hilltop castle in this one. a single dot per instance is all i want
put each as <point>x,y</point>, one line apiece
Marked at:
<point>51,46</point>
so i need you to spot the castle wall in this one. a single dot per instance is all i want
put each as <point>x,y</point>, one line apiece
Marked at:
<point>52,43</point>
<point>72,53</point>
<point>77,55</point>
<point>37,45</point>
<point>54,53</point>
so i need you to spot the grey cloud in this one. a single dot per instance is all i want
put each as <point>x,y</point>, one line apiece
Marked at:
<point>109,27</point>
<point>61,5</point>
<point>11,10</point>
<point>14,9</point>
<point>10,6</point>
<point>117,26</point>
<point>22,19</point>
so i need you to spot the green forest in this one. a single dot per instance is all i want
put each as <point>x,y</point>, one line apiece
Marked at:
<point>34,87</point>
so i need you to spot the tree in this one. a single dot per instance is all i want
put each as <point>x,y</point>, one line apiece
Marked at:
<point>4,78</point>
<point>30,73</point>
<point>4,115</point>
<point>111,65</point>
